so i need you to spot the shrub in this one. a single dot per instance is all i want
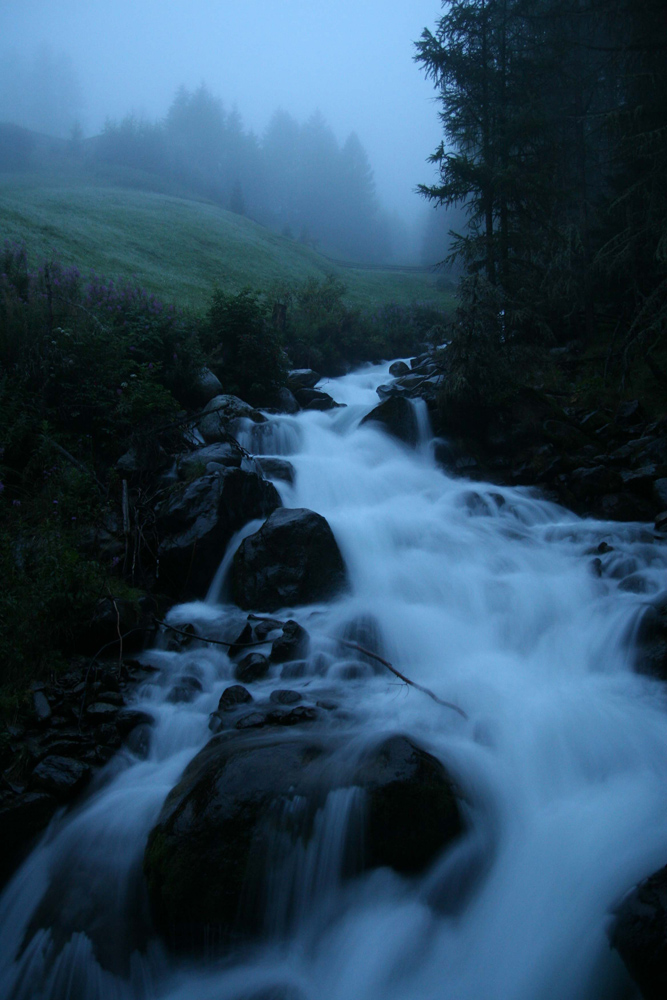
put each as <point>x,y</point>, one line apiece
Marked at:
<point>245,349</point>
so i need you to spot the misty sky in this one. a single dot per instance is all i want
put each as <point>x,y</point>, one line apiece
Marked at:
<point>352,59</point>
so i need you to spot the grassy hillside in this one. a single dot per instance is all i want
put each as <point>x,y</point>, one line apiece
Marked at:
<point>179,249</point>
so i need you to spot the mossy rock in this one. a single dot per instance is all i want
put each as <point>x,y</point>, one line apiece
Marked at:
<point>207,856</point>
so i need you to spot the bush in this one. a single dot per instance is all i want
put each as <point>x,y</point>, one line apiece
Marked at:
<point>245,349</point>
<point>94,359</point>
<point>324,333</point>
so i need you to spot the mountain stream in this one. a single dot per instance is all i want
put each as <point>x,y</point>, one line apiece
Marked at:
<point>486,596</point>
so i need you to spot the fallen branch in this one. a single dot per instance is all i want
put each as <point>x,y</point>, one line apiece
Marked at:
<point>385,663</point>
<point>397,673</point>
<point>216,642</point>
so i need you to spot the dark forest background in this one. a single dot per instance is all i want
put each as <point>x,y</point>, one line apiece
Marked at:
<point>554,118</point>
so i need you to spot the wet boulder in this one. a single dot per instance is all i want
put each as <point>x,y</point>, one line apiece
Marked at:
<point>206,854</point>
<point>227,453</point>
<point>398,369</point>
<point>315,399</point>
<point>207,387</point>
<point>660,493</point>
<point>197,522</point>
<point>62,777</point>
<point>185,690</point>
<point>220,414</point>
<point>286,402</point>
<point>293,559</point>
<point>302,378</point>
<point>639,935</point>
<point>651,638</point>
<point>413,809</point>
<point>293,644</point>
<point>397,417</point>
<point>276,468</point>
<point>253,667</point>
<point>586,483</point>
<point>232,697</point>
<point>246,792</point>
<point>624,507</point>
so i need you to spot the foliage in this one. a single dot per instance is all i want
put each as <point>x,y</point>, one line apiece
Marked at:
<point>324,333</point>
<point>92,358</point>
<point>245,349</point>
<point>554,140</point>
<point>50,583</point>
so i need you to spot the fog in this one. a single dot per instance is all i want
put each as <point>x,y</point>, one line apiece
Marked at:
<point>351,61</point>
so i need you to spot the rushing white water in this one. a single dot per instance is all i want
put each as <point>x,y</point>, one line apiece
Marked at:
<point>485,595</point>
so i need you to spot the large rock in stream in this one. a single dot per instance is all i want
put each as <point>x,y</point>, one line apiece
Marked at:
<point>293,559</point>
<point>397,417</point>
<point>215,838</point>
<point>639,935</point>
<point>197,522</point>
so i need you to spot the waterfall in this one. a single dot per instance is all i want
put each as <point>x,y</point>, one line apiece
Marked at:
<point>485,595</point>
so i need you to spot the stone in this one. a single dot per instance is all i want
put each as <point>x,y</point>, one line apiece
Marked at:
<point>253,720</point>
<point>625,507</point>
<point>594,482</point>
<point>232,697</point>
<point>630,413</point>
<point>266,626</point>
<point>639,481</point>
<point>639,935</point>
<point>398,368</point>
<point>285,696</point>
<point>185,690</point>
<point>651,638</point>
<point>286,401</point>
<point>243,639</point>
<point>315,399</point>
<point>197,522</point>
<point>208,854</point>
<point>207,849</point>
<point>253,667</point>
<point>220,415</point>
<point>41,707</point>
<point>107,735</point>
<point>293,644</point>
<point>302,378</point>
<point>302,713</point>
<point>293,559</point>
<point>661,521</point>
<point>129,718</point>
<point>413,809</point>
<point>207,387</point>
<point>397,416</point>
<point>660,493</point>
<point>226,453</point>
<point>276,468</point>
<point>101,711</point>
<point>60,776</point>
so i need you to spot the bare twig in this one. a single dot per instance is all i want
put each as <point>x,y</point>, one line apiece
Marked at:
<point>397,673</point>
<point>216,642</point>
<point>380,659</point>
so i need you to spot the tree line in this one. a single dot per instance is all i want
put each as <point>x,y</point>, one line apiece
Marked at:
<point>554,117</point>
<point>296,179</point>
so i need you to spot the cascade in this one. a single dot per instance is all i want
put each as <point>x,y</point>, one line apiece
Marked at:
<point>483,594</point>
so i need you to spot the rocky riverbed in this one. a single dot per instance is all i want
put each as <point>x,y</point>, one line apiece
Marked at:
<point>273,714</point>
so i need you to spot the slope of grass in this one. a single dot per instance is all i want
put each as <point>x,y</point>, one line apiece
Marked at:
<point>180,249</point>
